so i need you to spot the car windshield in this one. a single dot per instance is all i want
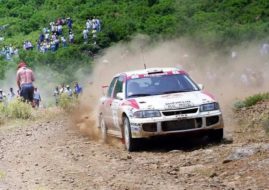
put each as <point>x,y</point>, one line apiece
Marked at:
<point>160,84</point>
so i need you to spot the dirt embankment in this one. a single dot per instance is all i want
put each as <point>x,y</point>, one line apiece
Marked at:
<point>55,155</point>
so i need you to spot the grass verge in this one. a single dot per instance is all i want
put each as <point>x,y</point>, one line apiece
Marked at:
<point>251,100</point>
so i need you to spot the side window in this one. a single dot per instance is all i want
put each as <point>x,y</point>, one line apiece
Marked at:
<point>111,86</point>
<point>118,86</point>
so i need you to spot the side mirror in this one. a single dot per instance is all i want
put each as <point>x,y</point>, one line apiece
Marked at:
<point>120,96</point>
<point>201,86</point>
<point>104,87</point>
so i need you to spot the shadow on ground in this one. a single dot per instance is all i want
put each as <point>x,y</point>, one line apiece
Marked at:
<point>170,143</point>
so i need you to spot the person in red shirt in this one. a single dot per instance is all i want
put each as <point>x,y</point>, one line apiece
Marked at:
<point>25,79</point>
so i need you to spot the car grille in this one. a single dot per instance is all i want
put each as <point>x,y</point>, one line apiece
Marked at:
<point>178,112</point>
<point>212,120</point>
<point>150,127</point>
<point>181,124</point>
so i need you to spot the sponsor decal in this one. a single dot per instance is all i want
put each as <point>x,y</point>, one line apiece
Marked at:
<point>172,95</point>
<point>178,105</point>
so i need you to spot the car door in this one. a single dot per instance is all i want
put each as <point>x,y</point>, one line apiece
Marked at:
<point>116,103</point>
<point>107,103</point>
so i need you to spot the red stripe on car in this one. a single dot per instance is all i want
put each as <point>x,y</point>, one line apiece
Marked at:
<point>132,103</point>
<point>208,94</point>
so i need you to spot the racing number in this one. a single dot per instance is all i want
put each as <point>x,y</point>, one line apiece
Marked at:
<point>115,108</point>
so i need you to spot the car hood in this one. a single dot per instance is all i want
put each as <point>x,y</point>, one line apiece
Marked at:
<point>174,101</point>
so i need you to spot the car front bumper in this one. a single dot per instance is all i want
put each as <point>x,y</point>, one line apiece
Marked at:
<point>148,127</point>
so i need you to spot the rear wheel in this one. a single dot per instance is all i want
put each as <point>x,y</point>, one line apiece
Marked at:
<point>130,143</point>
<point>103,129</point>
<point>216,135</point>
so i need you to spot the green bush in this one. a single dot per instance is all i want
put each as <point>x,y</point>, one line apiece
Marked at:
<point>67,103</point>
<point>16,109</point>
<point>19,110</point>
<point>251,100</point>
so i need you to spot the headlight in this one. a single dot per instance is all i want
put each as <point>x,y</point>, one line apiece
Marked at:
<point>209,107</point>
<point>147,114</point>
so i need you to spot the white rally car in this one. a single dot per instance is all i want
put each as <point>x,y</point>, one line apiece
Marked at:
<point>157,101</point>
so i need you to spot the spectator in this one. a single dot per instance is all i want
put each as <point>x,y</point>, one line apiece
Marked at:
<point>38,43</point>
<point>2,96</point>
<point>52,27</point>
<point>53,36</point>
<point>71,37</point>
<point>27,45</point>
<point>56,41</point>
<point>52,46</point>
<point>59,29</point>
<point>56,94</point>
<point>25,79</point>
<point>47,36</point>
<point>85,35</point>
<point>94,36</point>
<point>37,98</point>
<point>63,88</point>
<point>11,95</point>
<point>69,23</point>
<point>41,37</point>
<point>98,25</point>
<point>89,25</point>
<point>69,91</point>
<point>63,41</point>
<point>94,24</point>
<point>77,89</point>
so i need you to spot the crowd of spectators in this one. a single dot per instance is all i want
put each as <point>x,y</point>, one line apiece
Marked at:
<point>9,51</point>
<point>93,26</point>
<point>27,45</point>
<point>8,97</point>
<point>67,90</point>
<point>52,38</point>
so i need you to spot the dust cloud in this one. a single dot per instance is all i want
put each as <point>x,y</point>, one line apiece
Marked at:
<point>229,75</point>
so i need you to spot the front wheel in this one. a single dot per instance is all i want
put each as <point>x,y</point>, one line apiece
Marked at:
<point>130,143</point>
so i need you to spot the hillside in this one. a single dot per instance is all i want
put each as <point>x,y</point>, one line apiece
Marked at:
<point>210,23</point>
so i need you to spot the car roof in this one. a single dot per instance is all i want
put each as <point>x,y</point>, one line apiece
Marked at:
<point>150,71</point>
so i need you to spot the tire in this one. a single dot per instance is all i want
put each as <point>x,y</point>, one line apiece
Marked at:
<point>130,143</point>
<point>103,129</point>
<point>216,135</point>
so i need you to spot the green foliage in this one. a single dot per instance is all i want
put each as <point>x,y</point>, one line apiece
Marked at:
<point>251,100</point>
<point>67,103</point>
<point>212,24</point>
<point>16,109</point>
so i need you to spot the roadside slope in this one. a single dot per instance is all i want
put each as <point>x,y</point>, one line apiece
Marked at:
<point>54,155</point>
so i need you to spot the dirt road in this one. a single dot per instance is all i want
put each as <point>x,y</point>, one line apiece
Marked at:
<point>53,155</point>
